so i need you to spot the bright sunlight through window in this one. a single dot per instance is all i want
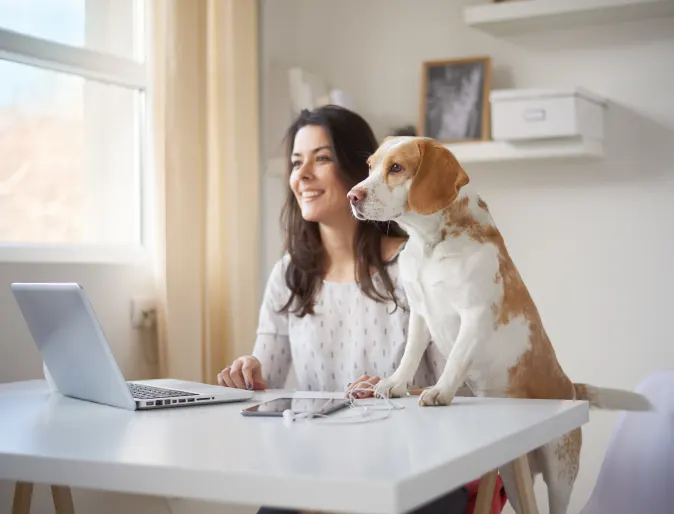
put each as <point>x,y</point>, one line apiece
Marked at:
<point>72,125</point>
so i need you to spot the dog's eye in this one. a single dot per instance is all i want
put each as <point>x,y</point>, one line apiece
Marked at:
<point>395,168</point>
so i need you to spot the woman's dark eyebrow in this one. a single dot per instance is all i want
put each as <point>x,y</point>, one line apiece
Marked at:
<point>315,150</point>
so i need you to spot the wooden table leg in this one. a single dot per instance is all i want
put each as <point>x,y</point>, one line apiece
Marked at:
<point>525,487</point>
<point>485,493</point>
<point>63,499</point>
<point>23,495</point>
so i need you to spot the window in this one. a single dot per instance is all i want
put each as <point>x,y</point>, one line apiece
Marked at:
<point>72,123</point>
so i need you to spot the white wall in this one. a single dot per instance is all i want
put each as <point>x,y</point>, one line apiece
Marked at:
<point>591,240</point>
<point>110,288</point>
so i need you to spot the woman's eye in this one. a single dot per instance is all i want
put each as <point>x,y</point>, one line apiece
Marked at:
<point>295,164</point>
<point>395,168</point>
<point>323,158</point>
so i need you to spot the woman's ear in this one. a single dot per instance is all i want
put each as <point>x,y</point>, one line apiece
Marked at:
<point>438,179</point>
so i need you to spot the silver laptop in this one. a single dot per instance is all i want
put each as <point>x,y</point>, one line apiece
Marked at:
<point>77,355</point>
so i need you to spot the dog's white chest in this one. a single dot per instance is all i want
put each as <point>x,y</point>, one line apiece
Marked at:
<point>429,278</point>
<point>443,283</point>
<point>432,286</point>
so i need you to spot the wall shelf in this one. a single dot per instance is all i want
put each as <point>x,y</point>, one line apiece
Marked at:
<point>519,16</point>
<point>544,149</point>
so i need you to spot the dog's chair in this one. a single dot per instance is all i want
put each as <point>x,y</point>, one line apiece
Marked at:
<point>637,474</point>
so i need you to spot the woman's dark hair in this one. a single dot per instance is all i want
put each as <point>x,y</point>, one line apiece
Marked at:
<point>353,142</point>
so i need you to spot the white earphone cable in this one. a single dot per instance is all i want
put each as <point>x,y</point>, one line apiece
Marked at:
<point>365,417</point>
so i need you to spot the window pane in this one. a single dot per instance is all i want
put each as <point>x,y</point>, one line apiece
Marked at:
<point>109,26</point>
<point>69,159</point>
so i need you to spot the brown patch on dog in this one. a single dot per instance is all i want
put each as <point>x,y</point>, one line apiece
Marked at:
<point>438,179</point>
<point>435,173</point>
<point>538,373</point>
<point>459,218</point>
<point>569,451</point>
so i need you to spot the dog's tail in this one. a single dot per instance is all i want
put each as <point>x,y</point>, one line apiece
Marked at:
<point>612,399</point>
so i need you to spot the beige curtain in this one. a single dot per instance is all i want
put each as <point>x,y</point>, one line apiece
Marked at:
<point>204,96</point>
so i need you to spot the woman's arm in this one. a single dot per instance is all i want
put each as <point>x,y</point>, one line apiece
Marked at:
<point>273,352</point>
<point>272,346</point>
<point>270,362</point>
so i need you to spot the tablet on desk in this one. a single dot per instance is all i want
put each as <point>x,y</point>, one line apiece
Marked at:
<point>276,407</point>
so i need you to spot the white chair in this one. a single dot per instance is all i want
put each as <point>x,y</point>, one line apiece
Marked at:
<point>637,474</point>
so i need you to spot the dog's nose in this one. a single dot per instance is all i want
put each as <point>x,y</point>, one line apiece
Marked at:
<point>356,195</point>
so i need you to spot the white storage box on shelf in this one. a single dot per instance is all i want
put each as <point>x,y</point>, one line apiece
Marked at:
<point>534,114</point>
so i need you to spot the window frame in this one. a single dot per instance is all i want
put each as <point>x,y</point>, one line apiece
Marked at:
<point>107,69</point>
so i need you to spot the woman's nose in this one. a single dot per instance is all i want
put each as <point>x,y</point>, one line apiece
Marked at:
<point>305,171</point>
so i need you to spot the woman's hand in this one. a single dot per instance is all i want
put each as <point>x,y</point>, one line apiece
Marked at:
<point>244,373</point>
<point>363,387</point>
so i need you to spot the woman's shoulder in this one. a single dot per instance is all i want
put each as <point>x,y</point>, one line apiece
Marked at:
<point>279,265</point>
<point>276,277</point>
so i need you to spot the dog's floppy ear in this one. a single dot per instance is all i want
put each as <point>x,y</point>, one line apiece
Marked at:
<point>438,179</point>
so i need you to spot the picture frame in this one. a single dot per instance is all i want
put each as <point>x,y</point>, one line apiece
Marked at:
<point>455,99</point>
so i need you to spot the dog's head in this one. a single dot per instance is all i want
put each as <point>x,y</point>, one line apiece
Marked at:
<point>407,174</point>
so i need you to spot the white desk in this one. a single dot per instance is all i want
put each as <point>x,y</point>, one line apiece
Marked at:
<point>214,453</point>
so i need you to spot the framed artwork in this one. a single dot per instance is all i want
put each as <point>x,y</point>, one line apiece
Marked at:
<point>455,99</point>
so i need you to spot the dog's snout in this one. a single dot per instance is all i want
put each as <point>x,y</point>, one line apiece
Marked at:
<point>356,195</point>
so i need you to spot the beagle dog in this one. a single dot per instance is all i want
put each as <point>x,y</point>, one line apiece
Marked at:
<point>464,291</point>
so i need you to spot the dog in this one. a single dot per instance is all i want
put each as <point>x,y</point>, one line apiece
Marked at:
<point>465,293</point>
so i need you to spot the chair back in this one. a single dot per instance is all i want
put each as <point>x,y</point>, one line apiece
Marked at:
<point>637,474</point>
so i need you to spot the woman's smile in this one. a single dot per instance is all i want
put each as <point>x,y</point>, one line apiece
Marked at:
<point>311,195</point>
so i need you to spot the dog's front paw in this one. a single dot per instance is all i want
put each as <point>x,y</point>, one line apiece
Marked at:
<point>435,396</point>
<point>390,388</point>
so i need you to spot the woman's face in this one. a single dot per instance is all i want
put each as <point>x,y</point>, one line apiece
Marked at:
<point>314,178</point>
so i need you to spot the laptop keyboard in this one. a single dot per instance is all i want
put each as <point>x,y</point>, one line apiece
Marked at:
<point>145,392</point>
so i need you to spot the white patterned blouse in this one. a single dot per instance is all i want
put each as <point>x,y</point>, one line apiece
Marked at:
<point>348,336</point>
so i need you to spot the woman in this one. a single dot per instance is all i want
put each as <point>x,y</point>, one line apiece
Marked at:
<point>333,307</point>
